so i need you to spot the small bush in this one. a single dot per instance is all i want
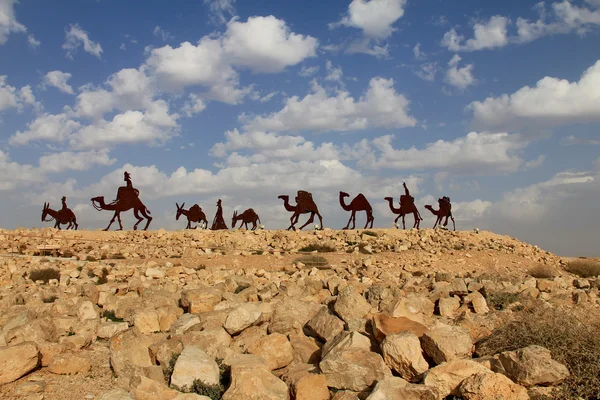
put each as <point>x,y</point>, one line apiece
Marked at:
<point>542,272</point>
<point>44,274</point>
<point>501,300</point>
<point>312,261</point>
<point>110,315</point>
<point>571,341</point>
<point>91,259</point>
<point>584,268</point>
<point>370,233</point>
<point>320,248</point>
<point>117,256</point>
<point>49,299</point>
<point>215,392</point>
<point>67,254</point>
<point>169,369</point>
<point>102,279</point>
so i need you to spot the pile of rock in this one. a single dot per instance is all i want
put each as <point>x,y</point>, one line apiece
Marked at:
<point>353,332</point>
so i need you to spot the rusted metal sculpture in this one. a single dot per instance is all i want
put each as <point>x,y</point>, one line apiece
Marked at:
<point>445,210</point>
<point>64,216</point>
<point>194,214</point>
<point>127,199</point>
<point>304,205</point>
<point>407,206</point>
<point>248,216</point>
<point>218,222</point>
<point>359,203</point>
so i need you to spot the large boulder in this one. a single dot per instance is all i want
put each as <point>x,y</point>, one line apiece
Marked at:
<point>194,364</point>
<point>252,380</point>
<point>533,365</point>
<point>445,343</point>
<point>384,325</point>
<point>402,352</point>
<point>275,349</point>
<point>397,388</point>
<point>325,325</point>
<point>353,369</point>
<point>242,317</point>
<point>351,305</point>
<point>490,385</point>
<point>447,377</point>
<point>70,364</point>
<point>16,361</point>
<point>291,315</point>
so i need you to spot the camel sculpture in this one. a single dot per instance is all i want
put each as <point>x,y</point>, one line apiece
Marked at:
<point>127,199</point>
<point>304,205</point>
<point>219,221</point>
<point>359,203</point>
<point>62,217</point>
<point>194,214</point>
<point>248,216</point>
<point>407,206</point>
<point>445,210</point>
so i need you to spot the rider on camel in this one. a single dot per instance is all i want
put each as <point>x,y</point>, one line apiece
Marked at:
<point>405,196</point>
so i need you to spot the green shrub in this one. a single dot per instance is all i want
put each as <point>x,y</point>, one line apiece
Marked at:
<point>44,275</point>
<point>110,315</point>
<point>168,371</point>
<point>571,340</point>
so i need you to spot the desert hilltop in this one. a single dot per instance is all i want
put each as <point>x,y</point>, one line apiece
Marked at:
<point>326,314</point>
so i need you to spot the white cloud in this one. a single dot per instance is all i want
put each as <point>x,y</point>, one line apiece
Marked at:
<point>221,7</point>
<point>266,44</point>
<point>308,71</point>
<point>486,35</point>
<point>10,97</point>
<point>427,71</point>
<point>59,79</point>
<point>470,210</point>
<point>375,17</point>
<point>75,36</point>
<point>419,54</point>
<point>268,96</point>
<point>552,101</point>
<point>476,153</point>
<point>8,20</point>
<point>78,161</point>
<point>47,127</point>
<point>15,175</point>
<point>194,105</point>
<point>333,73</point>
<point>459,77</point>
<point>162,34</point>
<point>368,46</point>
<point>33,42</point>
<point>380,107</point>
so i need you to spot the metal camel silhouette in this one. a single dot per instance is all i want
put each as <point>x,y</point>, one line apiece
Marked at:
<point>407,206</point>
<point>359,203</point>
<point>304,205</point>
<point>64,216</point>
<point>445,210</point>
<point>127,199</point>
<point>194,214</point>
<point>248,216</point>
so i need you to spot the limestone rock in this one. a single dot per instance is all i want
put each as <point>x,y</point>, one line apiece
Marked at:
<point>490,385</point>
<point>354,369</point>
<point>129,352</point>
<point>192,364</point>
<point>275,349</point>
<point>306,350</point>
<point>384,325</point>
<point>446,343</point>
<point>325,325</point>
<point>533,365</point>
<point>183,323</point>
<point>242,317</point>
<point>208,340</point>
<point>116,394</point>
<point>18,360</point>
<point>291,315</point>
<point>402,352</point>
<point>146,321</point>
<point>478,301</point>
<point>107,330</point>
<point>351,305</point>
<point>448,376</point>
<point>253,381</point>
<point>346,340</point>
<point>448,306</point>
<point>70,364</point>
<point>398,388</point>
<point>200,300</point>
<point>87,310</point>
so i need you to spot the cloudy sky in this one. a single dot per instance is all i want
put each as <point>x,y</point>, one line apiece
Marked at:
<point>495,104</point>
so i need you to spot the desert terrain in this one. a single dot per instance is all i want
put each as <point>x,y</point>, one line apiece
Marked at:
<point>358,314</point>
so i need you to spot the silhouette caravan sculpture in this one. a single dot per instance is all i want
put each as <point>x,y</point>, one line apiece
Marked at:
<point>248,216</point>
<point>445,210</point>
<point>407,206</point>
<point>359,203</point>
<point>218,222</point>
<point>127,199</point>
<point>304,205</point>
<point>194,214</point>
<point>62,217</point>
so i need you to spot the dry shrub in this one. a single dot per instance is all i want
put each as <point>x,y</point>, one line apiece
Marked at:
<point>320,248</point>
<point>542,272</point>
<point>571,341</point>
<point>312,261</point>
<point>584,268</point>
<point>44,274</point>
<point>501,300</point>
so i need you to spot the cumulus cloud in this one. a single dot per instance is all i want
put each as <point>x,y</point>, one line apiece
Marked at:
<point>486,35</point>
<point>8,20</point>
<point>375,17</point>
<point>379,107</point>
<point>77,161</point>
<point>194,105</point>
<point>475,153</point>
<point>418,53</point>
<point>427,71</point>
<point>10,97</point>
<point>48,127</point>
<point>14,174</point>
<point>552,101</point>
<point>308,71</point>
<point>459,77</point>
<point>334,74</point>
<point>59,79</point>
<point>75,36</point>
<point>33,42</point>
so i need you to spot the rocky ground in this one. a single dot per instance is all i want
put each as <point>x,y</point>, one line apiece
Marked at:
<point>377,314</point>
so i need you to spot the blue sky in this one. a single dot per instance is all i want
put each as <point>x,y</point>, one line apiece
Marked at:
<point>495,104</point>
